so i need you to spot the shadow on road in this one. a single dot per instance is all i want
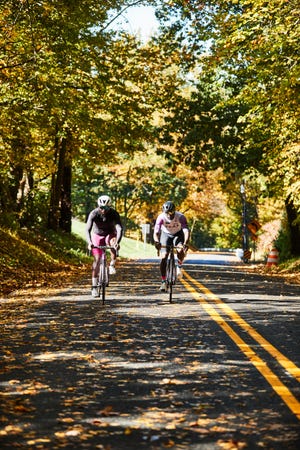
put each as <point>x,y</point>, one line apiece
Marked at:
<point>135,373</point>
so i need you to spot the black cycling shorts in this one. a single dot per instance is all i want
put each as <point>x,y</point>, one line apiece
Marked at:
<point>167,239</point>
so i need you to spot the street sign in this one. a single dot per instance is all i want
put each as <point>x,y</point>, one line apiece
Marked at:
<point>247,255</point>
<point>253,227</point>
<point>145,228</point>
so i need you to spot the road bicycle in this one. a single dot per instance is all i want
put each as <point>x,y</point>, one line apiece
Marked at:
<point>103,279</point>
<point>171,269</point>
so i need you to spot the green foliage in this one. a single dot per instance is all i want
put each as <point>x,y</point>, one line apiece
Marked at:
<point>202,236</point>
<point>283,244</point>
<point>218,87</point>
<point>34,209</point>
<point>244,114</point>
<point>227,231</point>
<point>77,94</point>
<point>138,187</point>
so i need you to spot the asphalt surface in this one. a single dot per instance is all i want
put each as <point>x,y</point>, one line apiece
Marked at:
<point>217,369</point>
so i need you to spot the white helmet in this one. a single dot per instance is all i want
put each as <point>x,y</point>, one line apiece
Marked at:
<point>104,200</point>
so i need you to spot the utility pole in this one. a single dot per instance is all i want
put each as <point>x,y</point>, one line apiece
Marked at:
<point>245,235</point>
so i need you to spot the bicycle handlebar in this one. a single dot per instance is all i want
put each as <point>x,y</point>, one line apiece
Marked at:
<point>171,248</point>
<point>104,247</point>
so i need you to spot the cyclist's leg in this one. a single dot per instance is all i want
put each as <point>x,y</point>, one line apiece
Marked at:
<point>163,266</point>
<point>179,239</point>
<point>111,240</point>
<point>96,252</point>
<point>165,240</point>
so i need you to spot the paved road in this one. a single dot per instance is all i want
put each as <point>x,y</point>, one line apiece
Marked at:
<point>218,369</point>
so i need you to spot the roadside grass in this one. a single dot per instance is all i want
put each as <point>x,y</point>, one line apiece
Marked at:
<point>35,258</point>
<point>30,259</point>
<point>47,258</point>
<point>291,270</point>
<point>292,265</point>
<point>129,248</point>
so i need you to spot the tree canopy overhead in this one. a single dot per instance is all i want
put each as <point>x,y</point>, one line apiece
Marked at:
<point>244,115</point>
<point>216,88</point>
<point>73,92</point>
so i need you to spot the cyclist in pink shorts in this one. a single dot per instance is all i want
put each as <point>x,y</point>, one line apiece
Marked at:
<point>170,226</point>
<point>103,227</point>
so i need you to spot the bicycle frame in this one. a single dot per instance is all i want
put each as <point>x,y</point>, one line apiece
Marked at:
<point>171,273</point>
<point>103,279</point>
<point>171,276</point>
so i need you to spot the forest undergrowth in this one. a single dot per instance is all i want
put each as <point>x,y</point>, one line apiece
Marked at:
<point>40,260</point>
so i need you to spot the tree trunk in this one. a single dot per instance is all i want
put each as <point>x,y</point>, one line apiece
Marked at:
<point>56,187</point>
<point>65,222</point>
<point>294,226</point>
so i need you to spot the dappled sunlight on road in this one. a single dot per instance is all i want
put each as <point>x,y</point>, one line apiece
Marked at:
<point>135,373</point>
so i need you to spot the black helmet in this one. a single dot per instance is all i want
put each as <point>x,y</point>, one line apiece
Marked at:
<point>168,207</point>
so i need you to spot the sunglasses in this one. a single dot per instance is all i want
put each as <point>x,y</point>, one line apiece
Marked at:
<point>104,208</point>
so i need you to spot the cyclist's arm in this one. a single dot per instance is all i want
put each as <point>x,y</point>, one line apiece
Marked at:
<point>88,229</point>
<point>157,229</point>
<point>156,234</point>
<point>156,239</point>
<point>117,224</point>
<point>186,234</point>
<point>119,231</point>
<point>185,228</point>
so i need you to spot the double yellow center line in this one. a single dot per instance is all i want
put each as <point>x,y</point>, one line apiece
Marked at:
<point>285,394</point>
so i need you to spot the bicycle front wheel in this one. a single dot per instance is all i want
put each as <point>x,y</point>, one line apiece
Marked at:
<point>170,289</point>
<point>102,284</point>
<point>103,293</point>
<point>171,276</point>
<point>104,276</point>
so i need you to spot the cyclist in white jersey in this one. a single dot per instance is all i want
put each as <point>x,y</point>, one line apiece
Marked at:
<point>170,226</point>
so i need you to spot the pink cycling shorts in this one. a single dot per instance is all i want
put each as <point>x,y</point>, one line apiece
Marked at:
<point>101,240</point>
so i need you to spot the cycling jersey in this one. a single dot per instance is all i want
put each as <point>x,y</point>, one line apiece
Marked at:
<point>170,226</point>
<point>102,225</point>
